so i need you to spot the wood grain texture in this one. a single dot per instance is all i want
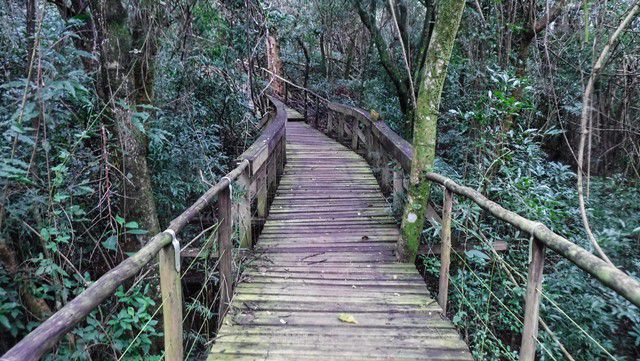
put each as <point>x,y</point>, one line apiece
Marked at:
<point>327,248</point>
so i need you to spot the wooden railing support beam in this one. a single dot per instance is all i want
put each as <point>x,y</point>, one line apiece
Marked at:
<point>171,291</point>
<point>225,250</point>
<point>317,114</point>
<point>532,302</point>
<point>398,188</point>
<point>330,118</point>
<point>261,193</point>
<point>445,254</point>
<point>354,133</point>
<point>244,210</point>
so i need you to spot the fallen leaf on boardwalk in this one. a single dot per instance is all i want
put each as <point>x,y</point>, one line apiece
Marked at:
<point>347,318</point>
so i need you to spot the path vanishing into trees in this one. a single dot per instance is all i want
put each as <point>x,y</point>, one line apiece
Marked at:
<point>325,283</point>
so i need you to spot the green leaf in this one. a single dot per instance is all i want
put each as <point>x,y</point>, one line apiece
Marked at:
<point>5,322</point>
<point>137,231</point>
<point>474,253</point>
<point>111,243</point>
<point>131,225</point>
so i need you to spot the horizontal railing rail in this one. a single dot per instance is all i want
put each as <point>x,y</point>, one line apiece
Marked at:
<point>380,146</point>
<point>256,171</point>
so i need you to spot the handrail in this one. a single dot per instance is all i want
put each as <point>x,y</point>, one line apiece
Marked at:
<point>357,128</point>
<point>295,85</point>
<point>257,163</point>
<point>623,284</point>
<point>402,152</point>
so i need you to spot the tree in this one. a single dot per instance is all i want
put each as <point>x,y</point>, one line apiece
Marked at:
<point>125,47</point>
<point>425,124</point>
<point>393,68</point>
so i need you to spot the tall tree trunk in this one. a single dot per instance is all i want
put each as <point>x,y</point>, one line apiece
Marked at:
<point>425,124</point>
<point>274,63</point>
<point>125,82</point>
<point>307,60</point>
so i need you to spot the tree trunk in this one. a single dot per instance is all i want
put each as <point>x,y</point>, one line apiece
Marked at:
<point>125,81</point>
<point>425,124</point>
<point>274,63</point>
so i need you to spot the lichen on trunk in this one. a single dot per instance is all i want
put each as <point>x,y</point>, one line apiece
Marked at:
<point>425,125</point>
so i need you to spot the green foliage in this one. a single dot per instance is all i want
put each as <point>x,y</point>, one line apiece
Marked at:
<point>11,311</point>
<point>513,170</point>
<point>61,168</point>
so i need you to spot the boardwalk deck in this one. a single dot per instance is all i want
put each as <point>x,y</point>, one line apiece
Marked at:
<point>326,250</point>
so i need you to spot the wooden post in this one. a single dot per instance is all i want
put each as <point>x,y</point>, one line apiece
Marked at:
<point>280,156</point>
<point>532,302</point>
<point>304,94</point>
<point>370,146</point>
<point>385,172</point>
<point>354,133</point>
<point>398,188</point>
<point>329,121</point>
<point>445,250</point>
<point>286,92</point>
<point>261,193</point>
<point>171,291</point>
<point>272,170</point>
<point>317,115</point>
<point>225,249</point>
<point>244,210</point>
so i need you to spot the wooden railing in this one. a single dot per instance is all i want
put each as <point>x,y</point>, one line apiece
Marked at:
<point>257,172</point>
<point>381,146</point>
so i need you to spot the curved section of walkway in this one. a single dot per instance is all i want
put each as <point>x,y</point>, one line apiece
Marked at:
<point>325,285</point>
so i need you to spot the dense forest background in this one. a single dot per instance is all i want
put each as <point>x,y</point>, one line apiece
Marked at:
<point>115,115</point>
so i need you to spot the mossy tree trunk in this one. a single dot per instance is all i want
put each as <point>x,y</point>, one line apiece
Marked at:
<point>425,124</point>
<point>126,83</point>
<point>124,40</point>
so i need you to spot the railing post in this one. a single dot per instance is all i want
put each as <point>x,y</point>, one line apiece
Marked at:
<point>286,92</point>
<point>369,136</point>
<point>171,292</point>
<point>317,115</point>
<point>305,103</point>
<point>244,210</point>
<point>532,301</point>
<point>354,133</point>
<point>261,193</point>
<point>272,172</point>
<point>398,187</point>
<point>385,172</point>
<point>329,121</point>
<point>225,248</point>
<point>445,250</point>
<point>279,158</point>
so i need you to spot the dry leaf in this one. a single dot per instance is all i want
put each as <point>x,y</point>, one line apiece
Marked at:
<point>347,318</point>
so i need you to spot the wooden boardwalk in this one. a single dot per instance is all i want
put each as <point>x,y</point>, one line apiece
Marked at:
<point>327,252</point>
